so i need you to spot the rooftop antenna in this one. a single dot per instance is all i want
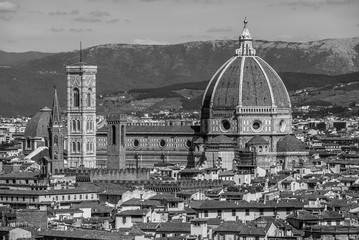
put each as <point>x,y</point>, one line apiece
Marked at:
<point>80,51</point>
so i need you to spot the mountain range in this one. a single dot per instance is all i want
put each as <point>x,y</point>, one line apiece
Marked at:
<point>27,83</point>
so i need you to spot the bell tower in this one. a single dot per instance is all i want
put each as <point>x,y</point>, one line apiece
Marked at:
<point>116,141</point>
<point>81,115</point>
<point>57,136</point>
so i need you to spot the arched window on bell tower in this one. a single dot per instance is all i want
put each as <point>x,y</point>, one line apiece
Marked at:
<point>76,97</point>
<point>88,100</point>
<point>113,134</point>
<point>56,140</point>
<point>73,146</point>
<point>123,136</point>
<point>79,147</point>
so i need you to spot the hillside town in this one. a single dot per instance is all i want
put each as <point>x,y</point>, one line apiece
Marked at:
<point>242,167</point>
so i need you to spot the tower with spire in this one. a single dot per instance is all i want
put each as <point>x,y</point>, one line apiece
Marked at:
<point>57,135</point>
<point>81,115</point>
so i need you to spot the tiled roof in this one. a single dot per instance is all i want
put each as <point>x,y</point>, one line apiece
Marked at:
<point>95,207</point>
<point>257,140</point>
<point>166,198</point>
<point>136,212</point>
<point>86,234</point>
<point>169,227</point>
<point>141,202</point>
<point>20,175</point>
<point>212,204</point>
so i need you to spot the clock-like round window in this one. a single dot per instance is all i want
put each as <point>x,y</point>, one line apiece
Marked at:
<point>282,126</point>
<point>162,143</point>
<point>225,125</point>
<point>136,143</point>
<point>257,126</point>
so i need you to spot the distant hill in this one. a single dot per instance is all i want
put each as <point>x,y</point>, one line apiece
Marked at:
<point>318,83</point>
<point>13,58</point>
<point>27,86</point>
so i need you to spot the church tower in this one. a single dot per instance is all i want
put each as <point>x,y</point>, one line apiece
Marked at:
<point>81,115</point>
<point>116,141</point>
<point>57,136</point>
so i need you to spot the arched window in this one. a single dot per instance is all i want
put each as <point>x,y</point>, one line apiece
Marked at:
<point>56,140</point>
<point>78,126</point>
<point>87,146</point>
<point>74,125</point>
<point>87,125</point>
<point>78,147</point>
<point>89,98</point>
<point>73,147</point>
<point>113,134</point>
<point>123,135</point>
<point>76,97</point>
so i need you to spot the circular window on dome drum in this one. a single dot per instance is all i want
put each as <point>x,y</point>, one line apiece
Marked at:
<point>282,125</point>
<point>225,125</point>
<point>188,143</point>
<point>136,143</point>
<point>162,143</point>
<point>257,126</point>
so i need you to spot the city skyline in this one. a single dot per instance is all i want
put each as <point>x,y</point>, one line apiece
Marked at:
<point>55,26</point>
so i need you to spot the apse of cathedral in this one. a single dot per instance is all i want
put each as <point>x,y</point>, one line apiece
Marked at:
<point>245,125</point>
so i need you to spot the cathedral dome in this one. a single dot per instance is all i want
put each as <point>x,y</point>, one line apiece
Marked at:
<point>245,80</point>
<point>38,126</point>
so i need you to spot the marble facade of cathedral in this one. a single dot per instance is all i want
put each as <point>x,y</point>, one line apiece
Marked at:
<point>245,122</point>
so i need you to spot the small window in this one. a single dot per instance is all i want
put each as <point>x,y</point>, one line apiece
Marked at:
<point>261,212</point>
<point>206,213</point>
<point>247,212</point>
<point>233,212</point>
<point>123,220</point>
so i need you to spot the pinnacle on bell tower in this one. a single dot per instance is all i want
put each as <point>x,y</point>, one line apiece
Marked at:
<point>245,42</point>
<point>55,115</point>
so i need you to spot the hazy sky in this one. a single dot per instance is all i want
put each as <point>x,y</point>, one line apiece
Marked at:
<point>59,25</point>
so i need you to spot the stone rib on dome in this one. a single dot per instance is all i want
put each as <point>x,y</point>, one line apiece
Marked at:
<point>38,126</point>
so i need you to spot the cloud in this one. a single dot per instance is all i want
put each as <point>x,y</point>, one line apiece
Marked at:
<point>114,20</point>
<point>99,13</point>
<point>63,13</point>
<point>79,30</point>
<point>5,18</point>
<point>220,29</point>
<point>54,29</point>
<point>148,42</point>
<point>87,19</point>
<point>8,7</point>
